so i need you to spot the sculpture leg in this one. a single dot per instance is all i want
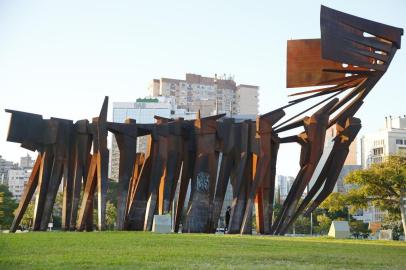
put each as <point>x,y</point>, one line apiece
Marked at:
<point>43,179</point>
<point>242,183</point>
<point>138,203</point>
<point>27,195</point>
<point>260,175</point>
<point>86,208</point>
<point>68,186</point>
<point>102,185</point>
<point>186,175</point>
<point>197,218</point>
<point>167,185</point>
<point>157,174</point>
<point>221,188</point>
<point>53,186</point>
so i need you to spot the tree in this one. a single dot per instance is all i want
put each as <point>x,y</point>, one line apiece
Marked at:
<point>112,192</point>
<point>382,185</point>
<point>7,206</point>
<point>394,223</point>
<point>28,217</point>
<point>336,206</point>
<point>301,225</point>
<point>359,228</point>
<point>111,215</point>
<point>324,223</point>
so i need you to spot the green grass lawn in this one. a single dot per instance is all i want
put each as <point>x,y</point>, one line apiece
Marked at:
<point>135,250</point>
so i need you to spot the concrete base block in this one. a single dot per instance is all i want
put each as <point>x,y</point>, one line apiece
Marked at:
<point>162,224</point>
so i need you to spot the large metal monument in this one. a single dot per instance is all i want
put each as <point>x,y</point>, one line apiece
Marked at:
<point>208,153</point>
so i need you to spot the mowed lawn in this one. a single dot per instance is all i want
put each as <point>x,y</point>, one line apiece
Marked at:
<point>138,250</point>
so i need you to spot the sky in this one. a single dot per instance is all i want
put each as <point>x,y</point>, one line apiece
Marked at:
<point>60,58</point>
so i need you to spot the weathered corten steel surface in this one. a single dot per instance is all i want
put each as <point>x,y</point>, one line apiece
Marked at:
<point>189,164</point>
<point>305,64</point>
<point>200,208</point>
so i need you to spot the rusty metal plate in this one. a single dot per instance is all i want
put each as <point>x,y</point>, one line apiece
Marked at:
<point>305,64</point>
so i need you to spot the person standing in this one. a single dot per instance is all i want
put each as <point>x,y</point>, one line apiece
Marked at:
<point>228,213</point>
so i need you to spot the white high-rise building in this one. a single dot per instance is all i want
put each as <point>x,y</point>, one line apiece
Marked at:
<point>209,95</point>
<point>26,162</point>
<point>17,179</point>
<point>283,185</point>
<point>389,140</point>
<point>375,147</point>
<point>5,167</point>
<point>143,111</point>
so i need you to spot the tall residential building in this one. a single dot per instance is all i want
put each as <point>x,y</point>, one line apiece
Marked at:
<point>389,140</point>
<point>17,179</point>
<point>143,111</point>
<point>283,185</point>
<point>18,176</point>
<point>5,167</point>
<point>26,162</point>
<point>209,95</point>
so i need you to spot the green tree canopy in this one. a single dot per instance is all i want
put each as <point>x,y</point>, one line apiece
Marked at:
<point>7,206</point>
<point>336,206</point>
<point>324,223</point>
<point>26,221</point>
<point>382,185</point>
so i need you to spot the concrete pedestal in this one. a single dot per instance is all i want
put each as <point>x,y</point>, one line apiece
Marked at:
<point>162,224</point>
<point>339,230</point>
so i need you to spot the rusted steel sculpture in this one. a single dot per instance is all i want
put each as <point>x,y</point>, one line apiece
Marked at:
<point>159,145</point>
<point>97,173</point>
<point>173,166</point>
<point>312,144</point>
<point>349,60</point>
<point>227,137</point>
<point>200,208</point>
<point>264,146</point>
<point>126,137</point>
<point>242,178</point>
<point>81,157</point>
<point>344,65</point>
<point>331,170</point>
<point>188,164</point>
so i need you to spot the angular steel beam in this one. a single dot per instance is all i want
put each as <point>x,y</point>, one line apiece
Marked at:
<point>262,153</point>
<point>159,137</point>
<point>173,167</point>
<point>346,134</point>
<point>126,137</point>
<point>81,158</point>
<point>100,151</point>
<point>200,209</point>
<point>29,190</point>
<point>188,164</point>
<point>241,180</point>
<point>312,142</point>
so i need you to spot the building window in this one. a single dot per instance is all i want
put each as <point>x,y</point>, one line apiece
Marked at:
<point>377,151</point>
<point>399,141</point>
